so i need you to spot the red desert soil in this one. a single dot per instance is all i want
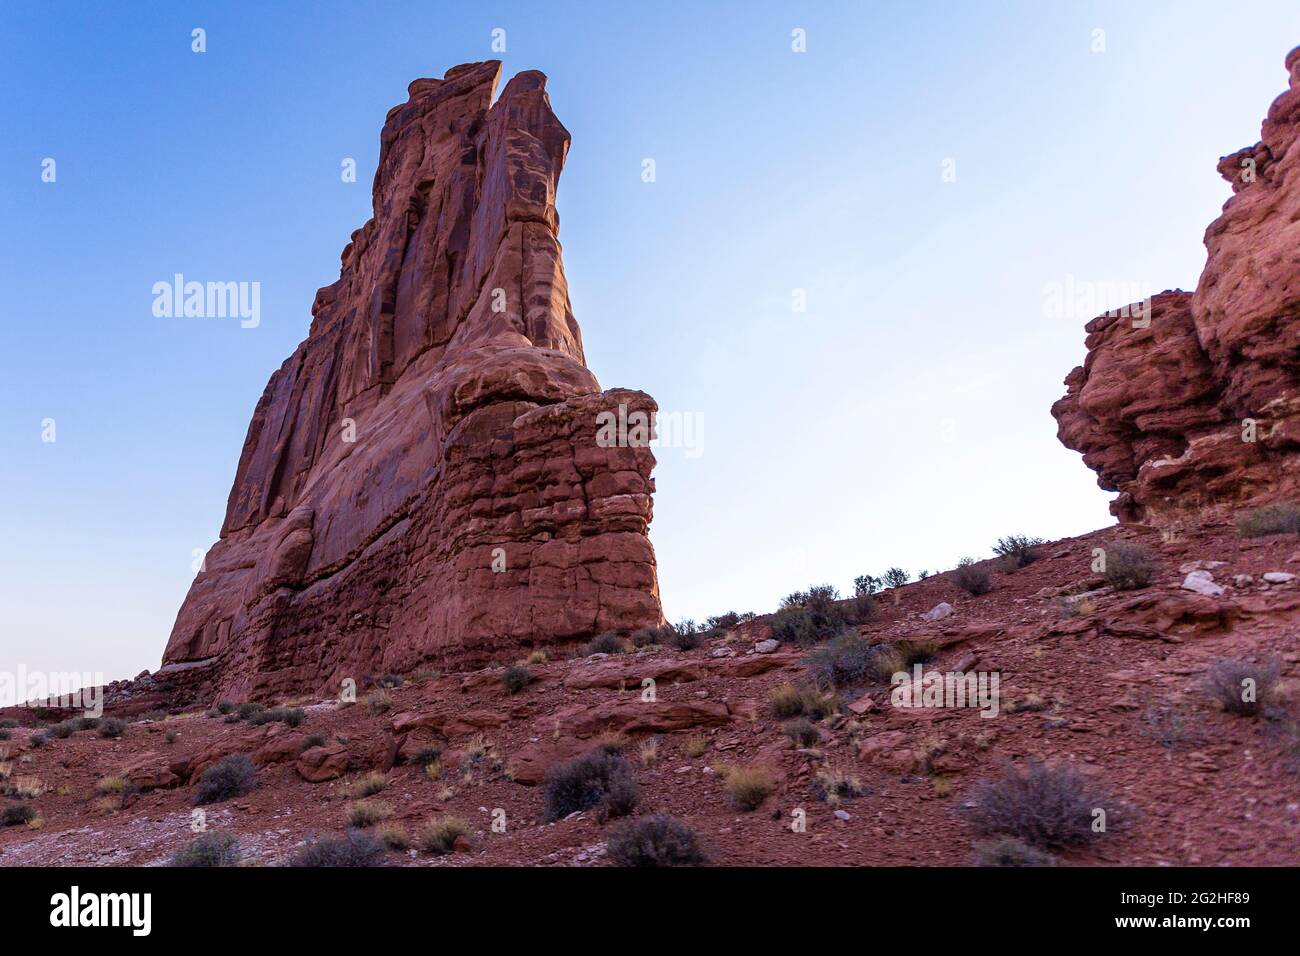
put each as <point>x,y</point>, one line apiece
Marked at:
<point>1086,682</point>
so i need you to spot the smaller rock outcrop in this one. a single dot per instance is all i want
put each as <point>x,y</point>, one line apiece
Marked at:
<point>1191,402</point>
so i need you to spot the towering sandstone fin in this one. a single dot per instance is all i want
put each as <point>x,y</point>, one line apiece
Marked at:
<point>1200,410</point>
<point>422,481</point>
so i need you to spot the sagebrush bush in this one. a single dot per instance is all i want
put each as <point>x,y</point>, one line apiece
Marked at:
<point>390,681</point>
<point>1129,566</point>
<point>379,701</point>
<point>63,730</point>
<point>1242,686</point>
<point>607,643</point>
<point>232,776</point>
<point>354,848</point>
<point>747,787</point>
<point>658,840</point>
<point>685,635</point>
<point>809,624</point>
<point>515,678</point>
<point>1010,851</point>
<point>313,740</point>
<point>111,728</point>
<point>850,660</point>
<point>1280,518</point>
<point>17,813</point>
<point>726,621</point>
<point>1047,806</point>
<point>647,637</point>
<point>972,578</point>
<point>293,716</point>
<point>40,739</point>
<point>439,836</point>
<point>802,732</point>
<point>209,849</point>
<point>250,708</point>
<point>596,779</point>
<point>1017,550</point>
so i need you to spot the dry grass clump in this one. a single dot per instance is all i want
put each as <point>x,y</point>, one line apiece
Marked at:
<point>439,836</point>
<point>833,786</point>
<point>697,745</point>
<point>788,700</point>
<point>379,702</point>
<point>367,786</point>
<point>747,786</point>
<point>394,836</point>
<point>367,813</point>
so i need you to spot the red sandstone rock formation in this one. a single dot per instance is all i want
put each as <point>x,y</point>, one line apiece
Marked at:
<point>422,480</point>
<point>1201,409</point>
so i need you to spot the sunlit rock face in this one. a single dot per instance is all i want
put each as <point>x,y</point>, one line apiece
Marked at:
<point>1199,409</point>
<point>422,480</point>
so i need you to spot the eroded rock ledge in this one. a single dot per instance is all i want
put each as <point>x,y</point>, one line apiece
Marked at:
<point>1199,411</point>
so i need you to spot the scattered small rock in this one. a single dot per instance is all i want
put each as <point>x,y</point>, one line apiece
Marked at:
<point>938,612</point>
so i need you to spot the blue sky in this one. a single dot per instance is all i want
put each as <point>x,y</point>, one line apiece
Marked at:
<point>902,419</point>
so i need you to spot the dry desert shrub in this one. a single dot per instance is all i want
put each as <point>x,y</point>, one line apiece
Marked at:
<point>802,732</point>
<point>232,776</point>
<point>1046,806</point>
<point>354,848</point>
<point>210,849</point>
<point>596,779</point>
<point>1129,566</point>
<point>1242,686</point>
<point>697,745</point>
<point>607,643</point>
<point>515,678</point>
<point>16,814</point>
<point>850,660</point>
<point>972,578</point>
<point>379,701</point>
<point>1010,851</point>
<point>652,841</point>
<point>1280,518</point>
<point>1017,550</point>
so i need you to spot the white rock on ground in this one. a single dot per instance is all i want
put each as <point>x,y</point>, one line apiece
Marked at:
<point>938,612</point>
<point>1202,582</point>
<point>1278,577</point>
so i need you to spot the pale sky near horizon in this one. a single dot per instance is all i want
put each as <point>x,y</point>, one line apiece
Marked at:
<point>901,419</point>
